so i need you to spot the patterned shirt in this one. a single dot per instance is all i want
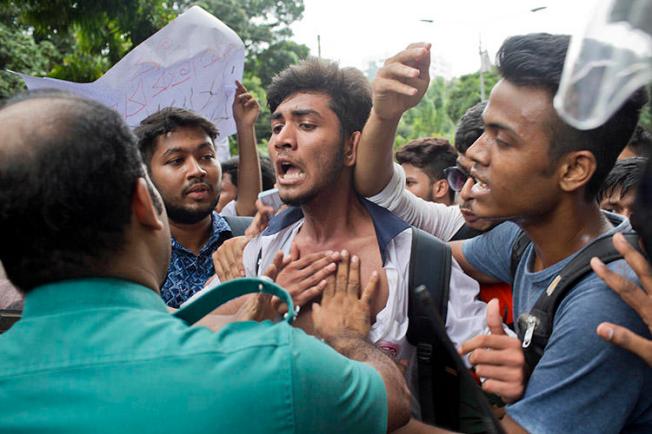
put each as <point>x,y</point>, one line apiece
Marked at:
<point>187,273</point>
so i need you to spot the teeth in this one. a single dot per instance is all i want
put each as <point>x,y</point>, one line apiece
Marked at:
<point>480,187</point>
<point>293,173</point>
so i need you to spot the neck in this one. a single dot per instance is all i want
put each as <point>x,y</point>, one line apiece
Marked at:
<point>565,231</point>
<point>332,214</point>
<point>192,236</point>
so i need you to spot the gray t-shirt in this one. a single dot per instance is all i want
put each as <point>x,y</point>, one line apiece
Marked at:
<point>582,384</point>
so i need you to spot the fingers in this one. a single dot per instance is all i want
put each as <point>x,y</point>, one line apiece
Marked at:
<point>353,284</point>
<point>499,373</point>
<point>386,85</point>
<point>399,71</point>
<point>626,339</point>
<point>635,260</point>
<point>310,293</point>
<point>342,274</point>
<point>370,290</point>
<point>486,356</point>
<point>239,87</point>
<point>508,391</point>
<point>494,342</point>
<point>494,318</point>
<point>414,54</point>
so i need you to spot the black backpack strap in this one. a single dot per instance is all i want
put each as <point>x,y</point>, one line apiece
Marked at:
<point>430,264</point>
<point>237,224</point>
<point>518,249</point>
<point>535,328</point>
<point>465,233</point>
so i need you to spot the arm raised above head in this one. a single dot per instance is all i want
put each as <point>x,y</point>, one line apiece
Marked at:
<point>399,85</point>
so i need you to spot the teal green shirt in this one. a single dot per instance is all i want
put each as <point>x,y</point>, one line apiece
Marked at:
<point>104,356</point>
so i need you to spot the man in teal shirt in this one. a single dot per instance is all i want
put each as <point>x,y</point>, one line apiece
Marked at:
<point>86,239</point>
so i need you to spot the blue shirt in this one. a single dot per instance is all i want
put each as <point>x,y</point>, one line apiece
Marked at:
<point>582,384</point>
<point>187,273</point>
<point>104,356</point>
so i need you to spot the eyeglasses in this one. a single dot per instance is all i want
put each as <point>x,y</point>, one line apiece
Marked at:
<point>456,177</point>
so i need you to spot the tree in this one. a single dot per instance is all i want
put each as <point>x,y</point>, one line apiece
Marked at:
<point>465,92</point>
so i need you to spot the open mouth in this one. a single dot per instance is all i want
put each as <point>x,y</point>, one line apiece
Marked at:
<point>480,186</point>
<point>287,172</point>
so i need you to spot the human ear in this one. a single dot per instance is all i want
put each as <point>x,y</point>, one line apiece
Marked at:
<point>142,207</point>
<point>351,148</point>
<point>576,170</point>
<point>440,187</point>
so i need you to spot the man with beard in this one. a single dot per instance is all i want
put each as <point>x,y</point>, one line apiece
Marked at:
<point>179,150</point>
<point>318,111</point>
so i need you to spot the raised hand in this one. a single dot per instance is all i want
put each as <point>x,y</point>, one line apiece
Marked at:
<point>344,310</point>
<point>401,82</point>
<point>245,106</point>
<point>498,358</point>
<point>640,299</point>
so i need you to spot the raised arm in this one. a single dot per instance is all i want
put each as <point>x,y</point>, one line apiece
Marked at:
<point>245,112</point>
<point>399,85</point>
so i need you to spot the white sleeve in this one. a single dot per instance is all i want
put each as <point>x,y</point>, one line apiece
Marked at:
<point>435,218</point>
<point>467,316</point>
<point>229,209</point>
<point>250,257</point>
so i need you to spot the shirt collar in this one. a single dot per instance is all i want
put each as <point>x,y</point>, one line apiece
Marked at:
<point>386,224</point>
<point>90,293</point>
<point>219,226</point>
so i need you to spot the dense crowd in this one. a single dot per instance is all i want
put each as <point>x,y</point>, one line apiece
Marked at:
<point>513,245</point>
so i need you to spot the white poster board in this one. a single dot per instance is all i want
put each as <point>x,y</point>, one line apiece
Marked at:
<point>192,63</point>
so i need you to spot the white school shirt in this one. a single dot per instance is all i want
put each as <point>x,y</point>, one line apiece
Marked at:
<point>466,315</point>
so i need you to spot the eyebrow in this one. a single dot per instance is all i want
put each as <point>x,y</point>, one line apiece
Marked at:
<point>297,113</point>
<point>499,126</point>
<point>179,149</point>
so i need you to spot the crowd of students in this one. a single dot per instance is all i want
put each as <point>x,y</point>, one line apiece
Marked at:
<point>107,231</point>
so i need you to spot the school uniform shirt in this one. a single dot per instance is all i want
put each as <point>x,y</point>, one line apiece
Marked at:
<point>466,315</point>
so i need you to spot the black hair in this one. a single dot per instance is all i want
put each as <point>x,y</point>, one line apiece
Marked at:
<point>348,89</point>
<point>625,175</point>
<point>470,127</point>
<point>536,60</point>
<point>641,142</point>
<point>430,154</point>
<point>165,121</point>
<point>230,166</point>
<point>66,187</point>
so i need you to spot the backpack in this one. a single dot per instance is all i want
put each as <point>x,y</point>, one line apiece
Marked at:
<point>449,397</point>
<point>237,224</point>
<point>535,328</point>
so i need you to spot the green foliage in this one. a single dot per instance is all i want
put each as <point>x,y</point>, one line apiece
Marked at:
<point>21,53</point>
<point>465,92</point>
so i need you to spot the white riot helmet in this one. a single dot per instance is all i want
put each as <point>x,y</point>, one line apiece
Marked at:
<point>607,62</point>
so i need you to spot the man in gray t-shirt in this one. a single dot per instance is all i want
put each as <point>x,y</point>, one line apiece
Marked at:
<point>582,383</point>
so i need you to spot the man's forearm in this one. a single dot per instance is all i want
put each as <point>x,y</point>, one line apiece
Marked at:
<point>373,169</point>
<point>398,395</point>
<point>249,178</point>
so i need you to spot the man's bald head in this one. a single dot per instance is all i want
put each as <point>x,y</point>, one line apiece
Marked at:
<point>68,168</point>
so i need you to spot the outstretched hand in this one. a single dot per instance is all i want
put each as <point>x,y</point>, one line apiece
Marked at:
<point>640,299</point>
<point>345,310</point>
<point>227,259</point>
<point>498,358</point>
<point>402,81</point>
